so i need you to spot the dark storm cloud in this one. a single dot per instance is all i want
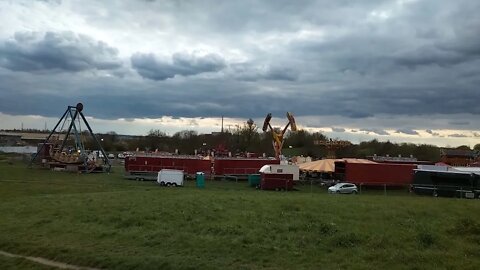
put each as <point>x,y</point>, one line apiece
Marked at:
<point>404,100</point>
<point>63,51</point>
<point>444,53</point>
<point>149,66</point>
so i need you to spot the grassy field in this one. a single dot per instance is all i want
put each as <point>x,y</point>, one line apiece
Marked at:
<point>104,221</point>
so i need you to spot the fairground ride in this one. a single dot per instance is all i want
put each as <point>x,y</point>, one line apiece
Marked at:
<point>278,136</point>
<point>65,145</point>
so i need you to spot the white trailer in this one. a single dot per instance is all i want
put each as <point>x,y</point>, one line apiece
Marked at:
<point>168,177</point>
<point>282,168</point>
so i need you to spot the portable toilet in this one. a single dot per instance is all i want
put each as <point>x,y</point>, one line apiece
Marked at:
<point>254,180</point>
<point>200,179</point>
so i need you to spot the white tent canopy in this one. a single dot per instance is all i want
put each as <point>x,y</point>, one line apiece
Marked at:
<point>328,165</point>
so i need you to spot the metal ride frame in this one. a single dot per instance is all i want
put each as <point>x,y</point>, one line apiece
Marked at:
<point>278,136</point>
<point>75,113</point>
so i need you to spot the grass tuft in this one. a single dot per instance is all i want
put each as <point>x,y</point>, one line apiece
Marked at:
<point>465,226</point>
<point>426,239</point>
<point>347,240</point>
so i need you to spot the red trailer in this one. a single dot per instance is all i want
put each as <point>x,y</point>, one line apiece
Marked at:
<point>276,181</point>
<point>147,167</point>
<point>375,174</point>
<point>240,166</point>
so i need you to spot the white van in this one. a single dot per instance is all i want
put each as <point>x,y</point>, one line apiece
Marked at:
<point>167,177</point>
<point>282,168</point>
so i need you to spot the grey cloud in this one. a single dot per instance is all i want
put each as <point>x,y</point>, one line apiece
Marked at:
<point>250,72</point>
<point>282,74</point>
<point>431,132</point>
<point>375,131</point>
<point>62,51</point>
<point>193,122</point>
<point>457,135</point>
<point>334,129</point>
<point>356,114</point>
<point>149,66</point>
<point>459,123</point>
<point>420,61</point>
<point>407,131</point>
<point>430,56</point>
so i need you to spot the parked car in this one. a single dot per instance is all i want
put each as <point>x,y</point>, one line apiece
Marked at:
<point>121,156</point>
<point>111,156</point>
<point>345,188</point>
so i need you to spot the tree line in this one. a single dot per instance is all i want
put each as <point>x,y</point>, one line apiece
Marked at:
<point>247,139</point>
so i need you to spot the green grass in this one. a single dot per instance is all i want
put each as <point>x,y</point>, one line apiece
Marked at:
<point>102,220</point>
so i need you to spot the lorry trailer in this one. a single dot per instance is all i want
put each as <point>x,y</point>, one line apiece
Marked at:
<point>240,166</point>
<point>146,167</point>
<point>143,167</point>
<point>462,184</point>
<point>276,181</point>
<point>375,174</point>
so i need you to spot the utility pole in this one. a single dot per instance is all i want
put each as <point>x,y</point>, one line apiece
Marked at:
<point>222,124</point>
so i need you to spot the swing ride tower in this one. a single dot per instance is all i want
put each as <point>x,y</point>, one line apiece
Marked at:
<point>277,137</point>
<point>65,145</point>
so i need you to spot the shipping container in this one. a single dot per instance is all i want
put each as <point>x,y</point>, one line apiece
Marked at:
<point>276,181</point>
<point>240,166</point>
<point>375,174</point>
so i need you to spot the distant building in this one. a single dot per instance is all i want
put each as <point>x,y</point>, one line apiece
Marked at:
<point>457,157</point>
<point>7,139</point>
<point>397,159</point>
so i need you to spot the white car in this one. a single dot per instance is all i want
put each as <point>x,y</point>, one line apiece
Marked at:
<point>345,188</point>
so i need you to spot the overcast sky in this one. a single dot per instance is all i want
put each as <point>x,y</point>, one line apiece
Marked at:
<point>399,70</point>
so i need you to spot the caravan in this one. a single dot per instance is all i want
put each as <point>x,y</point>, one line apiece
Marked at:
<point>282,169</point>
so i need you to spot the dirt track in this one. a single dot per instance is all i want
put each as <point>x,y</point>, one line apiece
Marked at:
<point>47,262</point>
